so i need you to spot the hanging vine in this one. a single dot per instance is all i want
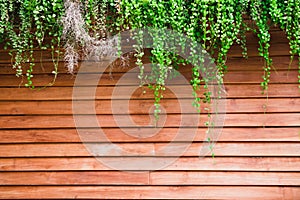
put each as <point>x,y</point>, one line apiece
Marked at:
<point>286,14</point>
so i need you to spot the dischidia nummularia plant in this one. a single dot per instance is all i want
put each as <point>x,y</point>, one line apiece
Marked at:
<point>81,26</point>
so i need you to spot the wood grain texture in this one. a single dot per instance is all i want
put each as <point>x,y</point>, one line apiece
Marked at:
<point>224,178</point>
<point>251,164</point>
<point>175,120</point>
<point>150,149</point>
<point>151,192</point>
<point>249,134</point>
<point>257,154</point>
<point>155,178</point>
<point>143,106</point>
<point>74,178</point>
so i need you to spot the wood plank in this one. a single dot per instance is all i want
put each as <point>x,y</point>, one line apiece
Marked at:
<point>151,192</point>
<point>171,106</point>
<point>65,93</point>
<point>112,79</point>
<point>74,178</point>
<point>256,63</point>
<point>276,49</point>
<point>184,163</point>
<point>151,149</point>
<point>225,178</point>
<point>256,77</point>
<point>132,135</point>
<point>277,36</point>
<point>41,150</point>
<point>155,178</point>
<point>175,120</point>
<point>240,149</point>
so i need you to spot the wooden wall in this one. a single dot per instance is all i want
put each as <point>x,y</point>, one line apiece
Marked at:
<point>257,155</point>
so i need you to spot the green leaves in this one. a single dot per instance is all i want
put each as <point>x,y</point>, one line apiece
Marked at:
<point>25,23</point>
<point>259,13</point>
<point>216,25</point>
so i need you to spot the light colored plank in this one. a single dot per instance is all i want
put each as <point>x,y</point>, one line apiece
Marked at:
<point>146,149</point>
<point>151,192</point>
<point>225,178</point>
<point>184,163</point>
<point>74,178</point>
<point>155,178</point>
<point>40,150</point>
<point>238,149</point>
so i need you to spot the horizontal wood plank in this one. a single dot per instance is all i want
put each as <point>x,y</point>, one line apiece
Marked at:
<point>170,106</point>
<point>155,178</point>
<point>150,149</point>
<point>223,178</point>
<point>184,163</point>
<point>65,93</point>
<point>175,120</point>
<point>74,178</point>
<point>136,135</point>
<point>151,192</point>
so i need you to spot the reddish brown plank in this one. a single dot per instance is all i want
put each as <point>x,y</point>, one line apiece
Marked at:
<point>132,135</point>
<point>256,63</point>
<point>256,77</point>
<point>170,106</point>
<point>184,163</point>
<point>151,192</point>
<point>276,49</point>
<point>84,121</point>
<point>151,149</point>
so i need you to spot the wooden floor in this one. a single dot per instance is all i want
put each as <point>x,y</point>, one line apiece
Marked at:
<point>257,156</point>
